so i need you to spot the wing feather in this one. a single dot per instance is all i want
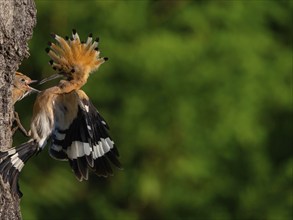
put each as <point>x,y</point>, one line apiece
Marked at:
<point>85,141</point>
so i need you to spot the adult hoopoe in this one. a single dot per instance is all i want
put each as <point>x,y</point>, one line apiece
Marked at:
<point>21,89</point>
<point>65,114</point>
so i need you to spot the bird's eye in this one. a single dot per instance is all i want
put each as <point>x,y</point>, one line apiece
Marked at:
<point>22,80</point>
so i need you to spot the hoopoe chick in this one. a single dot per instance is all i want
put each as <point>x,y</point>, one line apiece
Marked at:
<point>65,115</point>
<point>20,90</point>
<point>21,87</point>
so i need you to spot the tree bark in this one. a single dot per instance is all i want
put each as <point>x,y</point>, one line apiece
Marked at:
<point>17,19</point>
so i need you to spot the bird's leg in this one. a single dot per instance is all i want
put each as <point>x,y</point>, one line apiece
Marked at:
<point>19,125</point>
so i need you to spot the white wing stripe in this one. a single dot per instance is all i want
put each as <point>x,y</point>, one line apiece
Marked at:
<point>101,148</point>
<point>77,149</point>
<point>87,149</point>
<point>110,142</point>
<point>106,147</point>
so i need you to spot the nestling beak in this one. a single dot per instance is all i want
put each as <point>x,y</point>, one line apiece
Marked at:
<point>55,76</point>
<point>32,81</point>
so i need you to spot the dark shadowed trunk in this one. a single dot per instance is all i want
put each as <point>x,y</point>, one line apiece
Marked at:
<point>17,19</point>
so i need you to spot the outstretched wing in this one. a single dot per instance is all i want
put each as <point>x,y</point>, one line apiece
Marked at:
<point>81,137</point>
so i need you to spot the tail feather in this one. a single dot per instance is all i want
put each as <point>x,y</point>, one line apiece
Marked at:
<point>12,162</point>
<point>5,168</point>
<point>14,183</point>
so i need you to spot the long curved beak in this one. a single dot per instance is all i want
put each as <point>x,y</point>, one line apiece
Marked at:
<point>33,89</point>
<point>55,76</point>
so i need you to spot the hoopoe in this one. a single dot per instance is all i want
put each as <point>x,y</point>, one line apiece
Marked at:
<point>20,89</point>
<point>65,114</point>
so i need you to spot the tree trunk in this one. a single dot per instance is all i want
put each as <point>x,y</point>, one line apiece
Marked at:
<point>17,19</point>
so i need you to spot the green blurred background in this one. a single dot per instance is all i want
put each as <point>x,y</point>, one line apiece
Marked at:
<point>198,95</point>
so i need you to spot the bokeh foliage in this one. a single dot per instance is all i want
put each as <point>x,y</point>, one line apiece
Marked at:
<point>198,95</point>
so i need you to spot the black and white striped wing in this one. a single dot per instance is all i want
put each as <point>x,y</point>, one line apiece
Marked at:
<point>86,143</point>
<point>13,161</point>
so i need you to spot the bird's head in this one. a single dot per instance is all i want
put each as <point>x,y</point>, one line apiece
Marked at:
<point>21,86</point>
<point>74,59</point>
